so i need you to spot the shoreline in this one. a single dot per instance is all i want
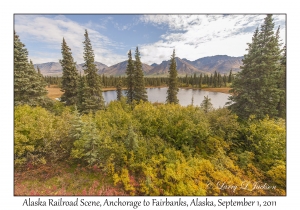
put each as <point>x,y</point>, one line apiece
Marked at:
<point>220,90</point>
<point>55,92</point>
<point>210,89</point>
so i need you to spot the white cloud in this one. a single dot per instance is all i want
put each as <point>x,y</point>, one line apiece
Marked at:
<point>196,36</point>
<point>192,36</point>
<point>124,26</point>
<point>52,30</point>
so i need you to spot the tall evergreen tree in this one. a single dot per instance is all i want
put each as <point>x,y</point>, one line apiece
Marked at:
<point>282,86</point>
<point>207,80</point>
<point>140,92</point>
<point>200,81</point>
<point>130,78</point>
<point>172,82</point>
<point>211,80</point>
<point>119,90</point>
<point>186,80</point>
<point>194,79</point>
<point>38,70</point>
<point>215,79</point>
<point>219,80</point>
<point>230,77</point>
<point>225,80</point>
<point>93,80</point>
<point>69,75</point>
<point>38,86</point>
<point>80,91</point>
<point>29,86</point>
<point>42,78</point>
<point>255,89</point>
<point>86,103</point>
<point>21,80</point>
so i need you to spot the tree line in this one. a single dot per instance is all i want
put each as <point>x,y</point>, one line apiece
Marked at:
<point>201,80</point>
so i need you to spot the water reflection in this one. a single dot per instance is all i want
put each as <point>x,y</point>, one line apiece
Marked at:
<point>184,95</point>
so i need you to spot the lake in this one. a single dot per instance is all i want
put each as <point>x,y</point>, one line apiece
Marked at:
<point>184,96</point>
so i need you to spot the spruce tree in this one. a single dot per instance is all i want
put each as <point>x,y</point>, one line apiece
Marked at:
<point>39,70</point>
<point>230,76</point>
<point>255,89</point>
<point>80,91</point>
<point>225,80</point>
<point>86,104</point>
<point>194,79</point>
<point>186,80</point>
<point>69,76</point>
<point>282,86</point>
<point>119,90</point>
<point>21,80</point>
<point>206,104</point>
<point>93,81</point>
<point>172,82</point>
<point>139,91</point>
<point>29,86</point>
<point>130,78</point>
<point>215,79</point>
<point>200,81</point>
<point>38,86</point>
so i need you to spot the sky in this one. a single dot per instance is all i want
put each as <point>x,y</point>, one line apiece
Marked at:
<point>112,36</point>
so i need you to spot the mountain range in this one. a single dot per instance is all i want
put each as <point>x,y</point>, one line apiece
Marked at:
<point>219,63</point>
<point>120,69</point>
<point>55,69</point>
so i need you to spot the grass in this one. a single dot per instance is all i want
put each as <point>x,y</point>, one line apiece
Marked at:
<point>54,92</point>
<point>64,180</point>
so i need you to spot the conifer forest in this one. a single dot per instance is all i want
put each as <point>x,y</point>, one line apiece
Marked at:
<point>81,145</point>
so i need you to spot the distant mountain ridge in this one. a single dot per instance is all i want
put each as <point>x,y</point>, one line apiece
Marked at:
<point>120,69</point>
<point>183,67</point>
<point>55,69</point>
<point>219,63</point>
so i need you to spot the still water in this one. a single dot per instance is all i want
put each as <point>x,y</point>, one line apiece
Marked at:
<point>184,96</point>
